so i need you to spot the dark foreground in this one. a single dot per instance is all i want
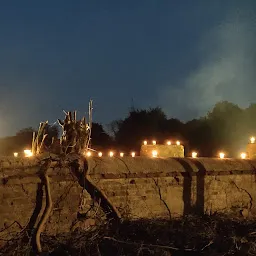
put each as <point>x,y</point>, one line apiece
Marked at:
<point>211,236</point>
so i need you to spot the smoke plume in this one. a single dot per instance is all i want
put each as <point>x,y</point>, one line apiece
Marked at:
<point>226,70</point>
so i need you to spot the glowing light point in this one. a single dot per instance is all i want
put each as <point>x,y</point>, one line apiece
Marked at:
<point>177,142</point>
<point>100,154</point>
<point>169,142</point>
<point>145,142</point>
<point>121,154</point>
<point>133,154</point>
<point>154,153</point>
<point>154,142</point>
<point>221,155</point>
<point>28,153</point>
<point>194,154</point>
<point>243,155</point>
<point>88,153</point>
<point>252,140</point>
<point>15,154</point>
<point>111,153</point>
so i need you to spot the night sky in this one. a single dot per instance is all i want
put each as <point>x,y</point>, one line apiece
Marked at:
<point>183,56</point>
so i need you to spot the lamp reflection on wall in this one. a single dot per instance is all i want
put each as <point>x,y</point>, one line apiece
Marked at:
<point>154,153</point>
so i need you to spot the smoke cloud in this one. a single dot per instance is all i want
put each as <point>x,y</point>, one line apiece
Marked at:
<point>226,70</point>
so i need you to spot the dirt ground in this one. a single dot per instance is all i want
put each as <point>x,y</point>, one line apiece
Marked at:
<point>193,235</point>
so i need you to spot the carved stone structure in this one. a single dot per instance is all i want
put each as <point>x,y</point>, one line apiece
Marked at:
<point>162,150</point>
<point>251,150</point>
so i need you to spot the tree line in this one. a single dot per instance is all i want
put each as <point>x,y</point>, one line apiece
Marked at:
<point>227,127</point>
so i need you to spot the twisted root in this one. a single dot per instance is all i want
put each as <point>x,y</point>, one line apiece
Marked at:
<point>46,212</point>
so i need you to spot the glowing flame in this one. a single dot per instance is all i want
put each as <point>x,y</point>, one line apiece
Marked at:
<point>154,153</point>
<point>15,154</point>
<point>145,142</point>
<point>111,153</point>
<point>194,154</point>
<point>221,155</point>
<point>133,154</point>
<point>100,154</point>
<point>28,153</point>
<point>121,154</point>
<point>169,142</point>
<point>154,142</point>
<point>88,153</point>
<point>177,142</point>
<point>243,155</point>
<point>252,139</point>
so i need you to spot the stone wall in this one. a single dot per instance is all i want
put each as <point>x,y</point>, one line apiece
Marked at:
<point>22,196</point>
<point>89,191</point>
<point>152,188</point>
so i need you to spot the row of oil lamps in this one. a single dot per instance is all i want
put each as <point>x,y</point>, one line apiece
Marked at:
<point>243,155</point>
<point>145,142</point>
<point>154,153</point>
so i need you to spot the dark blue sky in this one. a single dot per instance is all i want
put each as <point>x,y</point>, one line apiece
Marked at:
<point>180,55</point>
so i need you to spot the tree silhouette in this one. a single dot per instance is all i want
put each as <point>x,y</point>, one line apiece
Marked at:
<point>24,138</point>
<point>225,127</point>
<point>199,136</point>
<point>99,138</point>
<point>140,125</point>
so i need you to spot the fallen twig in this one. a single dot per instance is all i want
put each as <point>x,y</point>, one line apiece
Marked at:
<point>156,245</point>
<point>209,244</point>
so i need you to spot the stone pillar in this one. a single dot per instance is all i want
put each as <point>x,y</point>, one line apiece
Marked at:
<point>251,150</point>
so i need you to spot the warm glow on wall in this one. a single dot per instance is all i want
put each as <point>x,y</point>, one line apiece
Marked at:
<point>121,154</point>
<point>111,153</point>
<point>154,142</point>
<point>28,153</point>
<point>243,155</point>
<point>177,142</point>
<point>194,154</point>
<point>145,142</point>
<point>221,155</point>
<point>252,140</point>
<point>133,154</point>
<point>169,142</point>
<point>100,154</point>
<point>154,153</point>
<point>15,154</point>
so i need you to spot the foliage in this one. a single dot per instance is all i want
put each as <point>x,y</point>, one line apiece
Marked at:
<point>99,138</point>
<point>140,124</point>
<point>214,235</point>
<point>226,127</point>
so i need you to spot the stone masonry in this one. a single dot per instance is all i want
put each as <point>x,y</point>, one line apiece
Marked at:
<point>87,192</point>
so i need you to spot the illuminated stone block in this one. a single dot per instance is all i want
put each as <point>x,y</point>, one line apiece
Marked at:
<point>162,150</point>
<point>251,150</point>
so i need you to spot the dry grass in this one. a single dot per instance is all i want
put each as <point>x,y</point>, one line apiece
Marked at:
<point>193,235</point>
